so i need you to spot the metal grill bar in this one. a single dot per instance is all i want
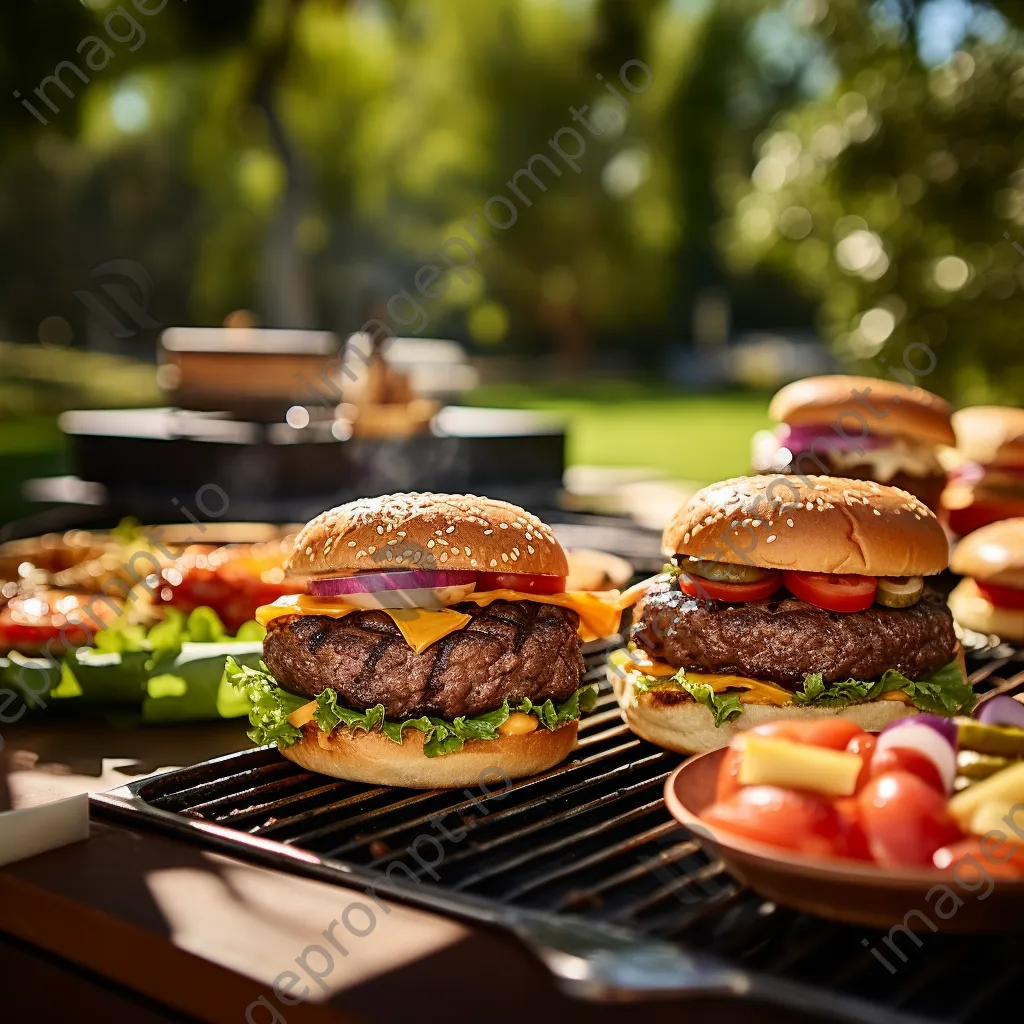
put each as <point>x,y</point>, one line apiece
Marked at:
<point>591,845</point>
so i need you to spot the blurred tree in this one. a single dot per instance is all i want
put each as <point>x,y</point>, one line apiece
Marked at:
<point>893,199</point>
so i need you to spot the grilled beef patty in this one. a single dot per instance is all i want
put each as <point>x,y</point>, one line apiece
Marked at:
<point>781,638</point>
<point>511,649</point>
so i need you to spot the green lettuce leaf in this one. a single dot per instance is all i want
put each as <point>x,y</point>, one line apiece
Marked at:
<point>723,706</point>
<point>271,706</point>
<point>942,692</point>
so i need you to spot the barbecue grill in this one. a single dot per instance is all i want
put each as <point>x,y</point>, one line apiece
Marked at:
<point>586,866</point>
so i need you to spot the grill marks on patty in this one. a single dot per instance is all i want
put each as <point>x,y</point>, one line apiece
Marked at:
<point>511,649</point>
<point>781,639</point>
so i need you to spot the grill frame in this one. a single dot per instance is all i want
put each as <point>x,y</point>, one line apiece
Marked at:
<point>605,956</point>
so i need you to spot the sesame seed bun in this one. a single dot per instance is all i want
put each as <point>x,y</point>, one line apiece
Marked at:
<point>810,523</point>
<point>689,728</point>
<point>993,554</point>
<point>371,757</point>
<point>865,405</point>
<point>426,531</point>
<point>975,611</point>
<point>990,433</point>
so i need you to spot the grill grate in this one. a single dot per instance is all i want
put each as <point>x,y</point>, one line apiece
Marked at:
<point>584,853</point>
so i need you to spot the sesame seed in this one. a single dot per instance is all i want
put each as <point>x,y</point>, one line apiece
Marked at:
<point>472,561</point>
<point>529,547</point>
<point>494,562</point>
<point>789,522</point>
<point>398,560</point>
<point>515,556</point>
<point>372,548</point>
<point>351,543</point>
<point>444,556</point>
<point>771,538</point>
<point>487,533</point>
<point>380,529</point>
<point>430,543</point>
<point>502,526</point>
<point>756,522</point>
<point>360,554</point>
<point>504,557</point>
<point>875,510</point>
<point>309,552</point>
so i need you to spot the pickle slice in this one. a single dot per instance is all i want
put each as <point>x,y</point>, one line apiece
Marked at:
<point>723,572</point>
<point>1001,740</point>
<point>974,766</point>
<point>899,591</point>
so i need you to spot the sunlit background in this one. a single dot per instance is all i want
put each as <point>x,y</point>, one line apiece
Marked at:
<point>798,186</point>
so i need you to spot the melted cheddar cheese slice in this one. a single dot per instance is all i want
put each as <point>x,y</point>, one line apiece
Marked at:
<point>754,691</point>
<point>598,611</point>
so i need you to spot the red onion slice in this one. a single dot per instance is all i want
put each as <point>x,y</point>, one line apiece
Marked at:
<point>1001,710</point>
<point>924,737</point>
<point>374,582</point>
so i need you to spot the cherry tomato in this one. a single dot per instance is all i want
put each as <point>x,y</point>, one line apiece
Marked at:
<point>832,591</point>
<point>525,583</point>
<point>848,808</point>
<point>903,759</point>
<point>787,818</point>
<point>904,819</point>
<point>1001,596</point>
<point>864,747</point>
<point>992,859</point>
<point>713,590</point>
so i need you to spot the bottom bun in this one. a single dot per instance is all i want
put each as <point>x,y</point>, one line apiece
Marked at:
<point>975,611</point>
<point>689,728</point>
<point>361,756</point>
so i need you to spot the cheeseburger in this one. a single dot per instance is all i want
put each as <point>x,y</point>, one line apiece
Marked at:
<point>435,641</point>
<point>858,427</point>
<point>991,598</point>
<point>986,479</point>
<point>789,596</point>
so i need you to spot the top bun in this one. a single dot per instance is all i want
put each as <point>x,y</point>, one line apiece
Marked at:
<point>993,554</point>
<point>859,404</point>
<point>990,433</point>
<point>810,523</point>
<point>426,531</point>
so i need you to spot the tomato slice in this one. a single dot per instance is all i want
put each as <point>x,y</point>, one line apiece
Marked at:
<point>905,820</point>
<point>713,590</point>
<point>833,591</point>
<point>788,818</point>
<point>525,583</point>
<point>1001,596</point>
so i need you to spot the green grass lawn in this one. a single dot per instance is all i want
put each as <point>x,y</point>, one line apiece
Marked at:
<point>700,437</point>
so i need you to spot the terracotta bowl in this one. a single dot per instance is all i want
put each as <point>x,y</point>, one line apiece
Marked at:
<point>840,889</point>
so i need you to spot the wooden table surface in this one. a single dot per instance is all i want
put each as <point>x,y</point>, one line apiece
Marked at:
<point>135,926</point>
